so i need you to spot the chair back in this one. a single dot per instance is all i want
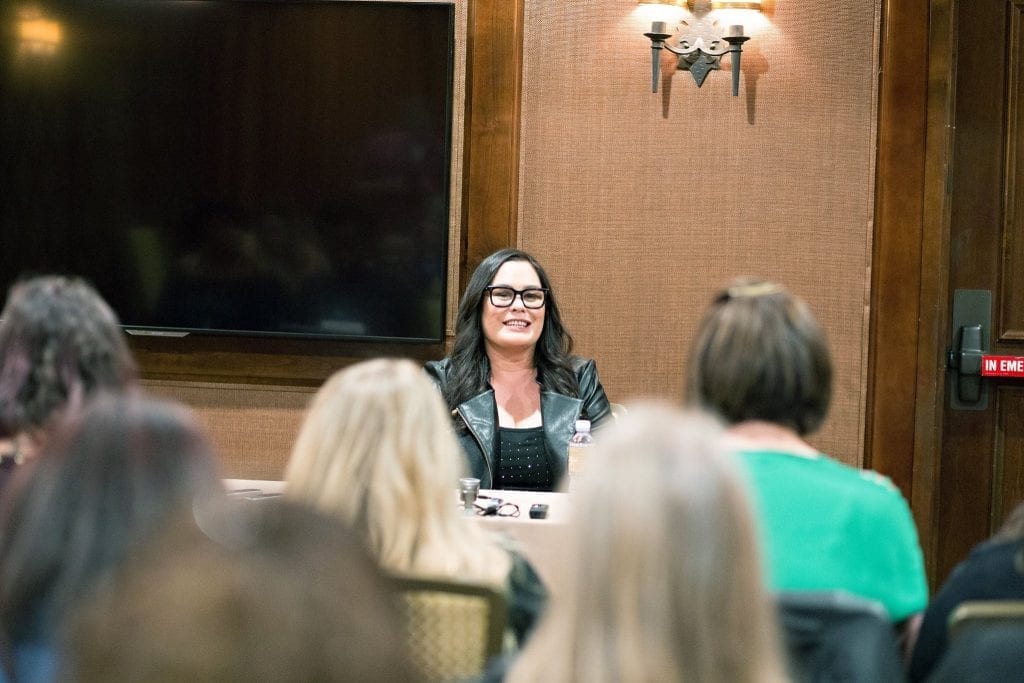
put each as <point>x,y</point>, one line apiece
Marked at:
<point>980,613</point>
<point>453,628</point>
<point>836,636</point>
<point>986,642</point>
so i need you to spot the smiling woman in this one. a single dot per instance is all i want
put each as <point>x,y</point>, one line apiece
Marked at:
<point>513,313</point>
<point>514,388</point>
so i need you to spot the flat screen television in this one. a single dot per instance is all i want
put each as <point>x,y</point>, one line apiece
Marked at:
<point>236,167</point>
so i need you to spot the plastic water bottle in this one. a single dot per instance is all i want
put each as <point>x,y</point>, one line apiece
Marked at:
<point>579,444</point>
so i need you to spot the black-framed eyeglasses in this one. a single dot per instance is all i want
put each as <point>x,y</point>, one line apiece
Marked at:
<point>502,297</point>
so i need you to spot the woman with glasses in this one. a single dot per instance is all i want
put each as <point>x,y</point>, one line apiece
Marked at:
<point>514,388</point>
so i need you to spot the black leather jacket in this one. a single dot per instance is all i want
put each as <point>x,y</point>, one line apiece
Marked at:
<point>477,419</point>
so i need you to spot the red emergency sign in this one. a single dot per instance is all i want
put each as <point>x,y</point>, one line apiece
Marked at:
<point>1002,366</point>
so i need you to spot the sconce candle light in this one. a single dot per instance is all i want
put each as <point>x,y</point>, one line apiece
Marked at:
<point>701,44</point>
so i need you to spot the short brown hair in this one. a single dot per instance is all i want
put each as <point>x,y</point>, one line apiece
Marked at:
<point>759,354</point>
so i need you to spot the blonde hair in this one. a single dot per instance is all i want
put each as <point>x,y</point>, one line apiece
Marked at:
<point>377,450</point>
<point>663,577</point>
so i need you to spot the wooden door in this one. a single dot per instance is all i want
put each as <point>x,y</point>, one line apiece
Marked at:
<point>980,475</point>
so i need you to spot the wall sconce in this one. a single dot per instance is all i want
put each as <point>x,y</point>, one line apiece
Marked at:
<point>36,34</point>
<point>701,45</point>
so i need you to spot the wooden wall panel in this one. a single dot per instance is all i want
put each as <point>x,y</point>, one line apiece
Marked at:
<point>932,280</point>
<point>1008,451</point>
<point>896,258</point>
<point>491,164</point>
<point>1012,285</point>
<point>979,462</point>
<point>1008,459</point>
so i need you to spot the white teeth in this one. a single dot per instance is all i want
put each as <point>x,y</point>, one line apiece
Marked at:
<point>516,323</point>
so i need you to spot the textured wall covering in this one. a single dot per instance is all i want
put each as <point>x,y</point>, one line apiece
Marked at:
<point>252,427</point>
<point>642,205</point>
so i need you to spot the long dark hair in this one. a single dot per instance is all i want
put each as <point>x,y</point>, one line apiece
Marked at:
<point>59,342</point>
<point>470,367</point>
<point>107,480</point>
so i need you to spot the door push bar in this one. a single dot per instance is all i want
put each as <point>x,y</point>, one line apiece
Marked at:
<point>966,360</point>
<point>969,342</point>
<point>972,364</point>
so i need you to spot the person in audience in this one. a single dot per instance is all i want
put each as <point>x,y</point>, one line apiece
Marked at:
<point>273,591</point>
<point>511,382</point>
<point>59,342</point>
<point>761,363</point>
<point>109,478</point>
<point>994,570</point>
<point>662,575</point>
<point>377,450</point>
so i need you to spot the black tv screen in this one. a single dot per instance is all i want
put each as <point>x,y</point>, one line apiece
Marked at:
<point>232,167</point>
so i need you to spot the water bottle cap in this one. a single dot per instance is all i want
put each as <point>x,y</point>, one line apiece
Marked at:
<point>582,425</point>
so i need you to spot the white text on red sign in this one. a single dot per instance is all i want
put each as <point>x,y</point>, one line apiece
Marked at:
<point>1002,366</point>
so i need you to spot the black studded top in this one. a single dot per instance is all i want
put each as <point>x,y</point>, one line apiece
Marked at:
<point>522,460</point>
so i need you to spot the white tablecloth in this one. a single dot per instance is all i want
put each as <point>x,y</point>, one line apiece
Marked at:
<point>541,541</point>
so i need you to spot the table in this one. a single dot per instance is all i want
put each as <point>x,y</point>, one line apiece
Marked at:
<point>541,541</point>
<point>261,485</point>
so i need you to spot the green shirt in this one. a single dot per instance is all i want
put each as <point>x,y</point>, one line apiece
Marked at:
<point>827,526</point>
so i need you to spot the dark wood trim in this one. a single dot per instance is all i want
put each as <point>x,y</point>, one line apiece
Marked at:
<point>907,337</point>
<point>896,264</point>
<point>494,74</point>
<point>244,360</point>
<point>933,326</point>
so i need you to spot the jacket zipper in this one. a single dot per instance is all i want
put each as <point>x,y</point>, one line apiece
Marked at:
<point>483,451</point>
